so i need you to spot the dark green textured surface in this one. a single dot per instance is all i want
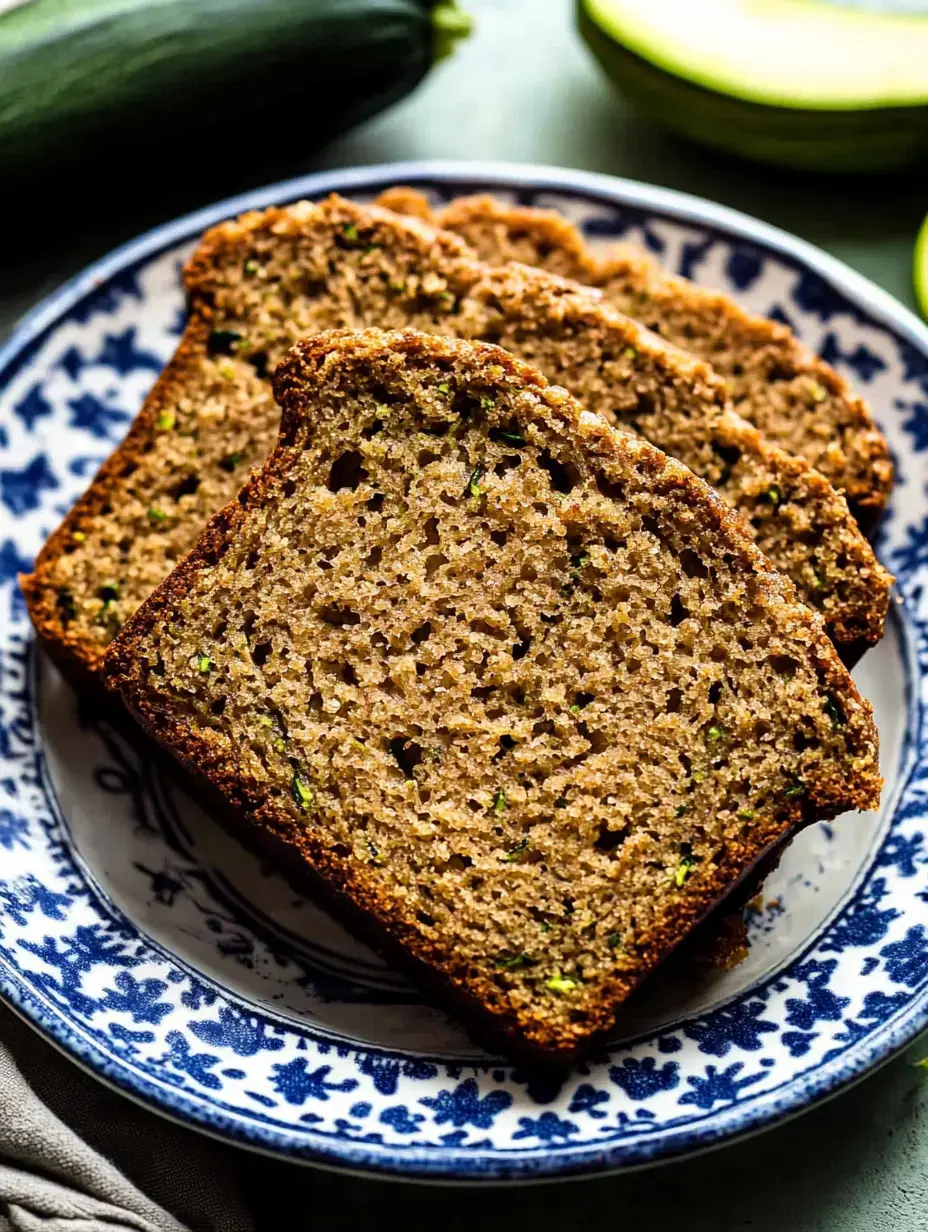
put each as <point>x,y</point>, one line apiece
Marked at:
<point>523,89</point>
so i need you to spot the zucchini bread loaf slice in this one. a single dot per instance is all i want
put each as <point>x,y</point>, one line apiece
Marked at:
<point>795,398</point>
<point>259,283</point>
<point>517,689</point>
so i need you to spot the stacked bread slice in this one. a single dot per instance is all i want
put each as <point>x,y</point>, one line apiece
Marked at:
<point>792,395</point>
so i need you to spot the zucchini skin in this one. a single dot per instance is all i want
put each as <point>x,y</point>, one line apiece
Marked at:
<point>130,72</point>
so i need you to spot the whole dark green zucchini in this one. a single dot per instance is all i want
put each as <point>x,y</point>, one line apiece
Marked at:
<point>89,74</point>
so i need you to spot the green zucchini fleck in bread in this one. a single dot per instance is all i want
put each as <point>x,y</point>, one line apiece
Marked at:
<point>516,689</point>
<point>795,398</point>
<point>259,283</point>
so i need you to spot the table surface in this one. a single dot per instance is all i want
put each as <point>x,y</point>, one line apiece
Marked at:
<point>523,89</point>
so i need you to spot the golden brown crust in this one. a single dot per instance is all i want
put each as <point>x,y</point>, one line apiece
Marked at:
<point>347,887</point>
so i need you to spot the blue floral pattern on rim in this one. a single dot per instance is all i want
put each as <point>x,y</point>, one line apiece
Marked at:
<point>278,1034</point>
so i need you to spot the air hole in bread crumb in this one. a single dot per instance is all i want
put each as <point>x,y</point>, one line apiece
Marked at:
<point>779,371</point>
<point>333,614</point>
<point>644,405</point>
<point>678,612</point>
<point>406,753</point>
<point>597,739</point>
<point>692,565</point>
<point>349,675</point>
<point>715,692</point>
<point>614,490</point>
<point>431,531</point>
<point>422,633</point>
<point>784,665</point>
<point>506,745</point>
<point>499,537</point>
<point>803,741</point>
<point>521,648</point>
<point>347,472</point>
<point>261,654</point>
<point>730,454</point>
<point>434,563</point>
<point>218,706</point>
<point>186,487</point>
<point>478,625</point>
<point>466,407</point>
<point>609,840</point>
<point>564,476</point>
<point>374,556</point>
<point>425,457</point>
<point>674,701</point>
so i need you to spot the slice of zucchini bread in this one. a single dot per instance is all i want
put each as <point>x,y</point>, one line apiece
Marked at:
<point>796,399</point>
<point>259,283</point>
<point>516,687</point>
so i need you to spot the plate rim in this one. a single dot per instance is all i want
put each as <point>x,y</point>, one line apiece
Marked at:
<point>342,1155</point>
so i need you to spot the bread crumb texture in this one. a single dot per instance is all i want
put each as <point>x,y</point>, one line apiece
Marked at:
<point>517,684</point>
<point>259,283</point>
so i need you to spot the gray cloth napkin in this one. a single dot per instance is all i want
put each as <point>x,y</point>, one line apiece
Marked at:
<point>74,1157</point>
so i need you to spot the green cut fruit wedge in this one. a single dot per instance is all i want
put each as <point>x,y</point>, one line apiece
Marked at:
<point>818,84</point>
<point>921,268</point>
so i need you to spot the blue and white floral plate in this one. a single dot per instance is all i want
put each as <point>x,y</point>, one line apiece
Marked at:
<point>140,939</point>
